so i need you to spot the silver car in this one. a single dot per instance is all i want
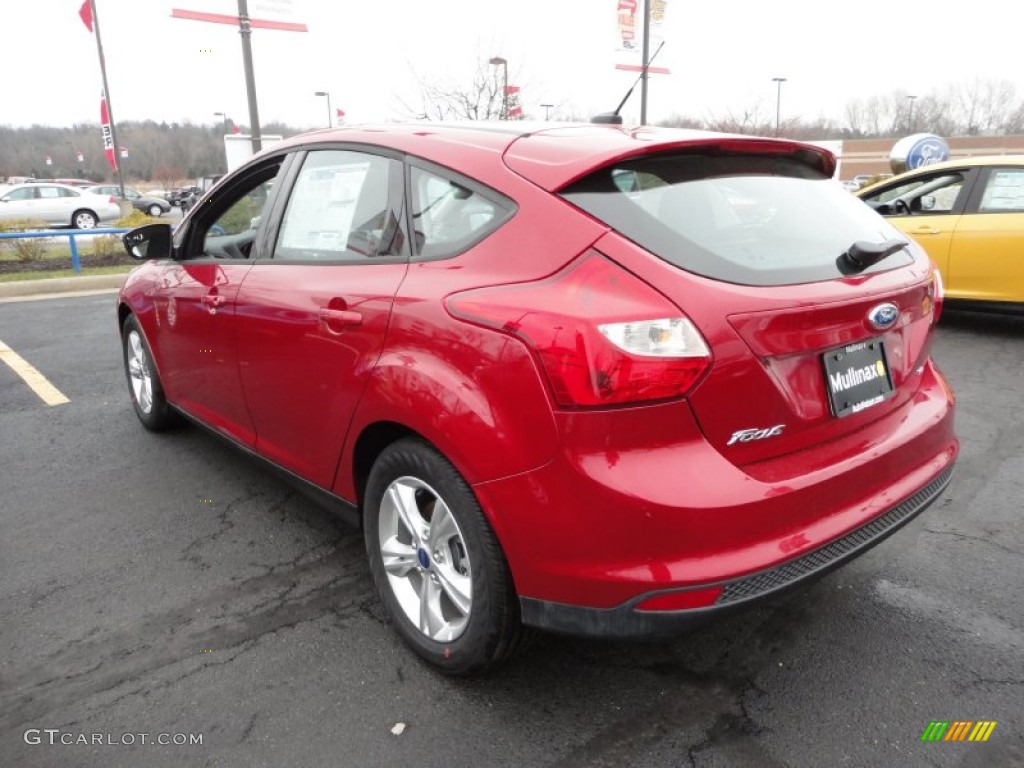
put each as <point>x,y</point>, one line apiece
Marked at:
<point>154,206</point>
<point>59,205</point>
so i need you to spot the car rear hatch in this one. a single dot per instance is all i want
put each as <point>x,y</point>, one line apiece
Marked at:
<point>748,238</point>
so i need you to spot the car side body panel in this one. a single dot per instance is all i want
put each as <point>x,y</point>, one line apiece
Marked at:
<point>476,394</point>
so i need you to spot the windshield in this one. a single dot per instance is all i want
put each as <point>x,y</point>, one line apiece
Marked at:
<point>747,219</point>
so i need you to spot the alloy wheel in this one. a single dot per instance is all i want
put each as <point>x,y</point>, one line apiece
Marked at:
<point>425,558</point>
<point>138,372</point>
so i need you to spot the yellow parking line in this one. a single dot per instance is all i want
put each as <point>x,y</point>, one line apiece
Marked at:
<point>48,393</point>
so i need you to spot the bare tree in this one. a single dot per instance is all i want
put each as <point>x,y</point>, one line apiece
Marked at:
<point>748,121</point>
<point>682,121</point>
<point>168,175</point>
<point>479,98</point>
<point>982,105</point>
<point>932,114</point>
<point>1014,122</point>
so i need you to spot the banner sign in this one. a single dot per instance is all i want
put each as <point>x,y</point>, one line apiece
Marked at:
<point>629,16</point>
<point>263,14</point>
<point>108,137</point>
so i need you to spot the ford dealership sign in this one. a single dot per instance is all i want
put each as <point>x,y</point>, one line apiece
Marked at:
<point>914,151</point>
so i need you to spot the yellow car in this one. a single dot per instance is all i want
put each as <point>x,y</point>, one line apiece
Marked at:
<point>968,214</point>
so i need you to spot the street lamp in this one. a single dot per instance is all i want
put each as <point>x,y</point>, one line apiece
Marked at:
<point>329,114</point>
<point>910,113</point>
<point>547,107</point>
<point>503,63</point>
<point>778,100</point>
<point>223,118</point>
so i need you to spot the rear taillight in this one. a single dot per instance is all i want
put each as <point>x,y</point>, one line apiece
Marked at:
<point>936,293</point>
<point>112,200</point>
<point>604,337</point>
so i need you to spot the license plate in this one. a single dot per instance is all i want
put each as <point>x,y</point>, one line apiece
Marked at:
<point>857,377</point>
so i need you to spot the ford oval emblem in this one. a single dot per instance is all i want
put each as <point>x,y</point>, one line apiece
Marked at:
<point>884,315</point>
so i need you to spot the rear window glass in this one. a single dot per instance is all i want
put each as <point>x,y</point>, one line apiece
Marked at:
<point>747,219</point>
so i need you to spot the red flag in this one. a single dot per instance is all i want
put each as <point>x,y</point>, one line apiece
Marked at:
<point>515,111</point>
<point>510,89</point>
<point>235,128</point>
<point>85,12</point>
<point>108,136</point>
<point>339,112</point>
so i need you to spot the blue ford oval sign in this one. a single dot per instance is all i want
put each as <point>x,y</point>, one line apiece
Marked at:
<point>916,151</point>
<point>884,315</point>
<point>927,151</point>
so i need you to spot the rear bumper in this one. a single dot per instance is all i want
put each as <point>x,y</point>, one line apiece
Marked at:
<point>626,621</point>
<point>637,504</point>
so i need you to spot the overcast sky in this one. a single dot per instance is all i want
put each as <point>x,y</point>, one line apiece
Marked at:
<point>370,54</point>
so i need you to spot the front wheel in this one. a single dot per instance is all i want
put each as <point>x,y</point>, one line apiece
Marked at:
<point>144,386</point>
<point>84,220</point>
<point>436,562</point>
<point>155,210</point>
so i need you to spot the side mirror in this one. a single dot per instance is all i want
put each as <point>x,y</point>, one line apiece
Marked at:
<point>152,241</point>
<point>927,202</point>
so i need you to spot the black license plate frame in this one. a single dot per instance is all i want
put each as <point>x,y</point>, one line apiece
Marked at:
<point>857,377</point>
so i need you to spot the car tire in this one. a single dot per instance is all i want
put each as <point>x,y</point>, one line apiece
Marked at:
<point>84,220</point>
<point>155,210</point>
<point>446,584</point>
<point>144,387</point>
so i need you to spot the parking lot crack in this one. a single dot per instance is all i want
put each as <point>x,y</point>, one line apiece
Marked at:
<point>249,726</point>
<point>43,596</point>
<point>25,699</point>
<point>968,537</point>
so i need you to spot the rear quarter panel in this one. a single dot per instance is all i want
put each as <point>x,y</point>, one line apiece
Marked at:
<point>477,395</point>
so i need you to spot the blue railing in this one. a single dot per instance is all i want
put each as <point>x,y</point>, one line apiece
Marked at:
<point>70,234</point>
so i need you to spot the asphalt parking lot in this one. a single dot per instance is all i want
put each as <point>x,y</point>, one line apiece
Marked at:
<point>165,585</point>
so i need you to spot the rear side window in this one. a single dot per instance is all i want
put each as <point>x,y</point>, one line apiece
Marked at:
<point>1004,191</point>
<point>739,218</point>
<point>451,215</point>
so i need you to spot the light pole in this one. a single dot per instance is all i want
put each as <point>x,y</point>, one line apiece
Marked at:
<point>547,113</point>
<point>503,63</point>
<point>245,32</point>
<point>328,95</point>
<point>778,101</point>
<point>910,113</point>
<point>223,119</point>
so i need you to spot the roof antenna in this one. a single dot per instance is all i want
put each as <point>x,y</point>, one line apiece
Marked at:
<point>614,118</point>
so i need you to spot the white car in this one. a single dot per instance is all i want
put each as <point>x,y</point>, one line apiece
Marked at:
<point>59,205</point>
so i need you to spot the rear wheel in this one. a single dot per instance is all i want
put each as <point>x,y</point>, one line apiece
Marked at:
<point>155,210</point>
<point>143,381</point>
<point>438,566</point>
<point>84,220</point>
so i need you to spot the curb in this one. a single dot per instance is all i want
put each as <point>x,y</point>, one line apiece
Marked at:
<point>60,285</point>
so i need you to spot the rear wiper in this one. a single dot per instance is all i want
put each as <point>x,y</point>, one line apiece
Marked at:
<point>862,254</point>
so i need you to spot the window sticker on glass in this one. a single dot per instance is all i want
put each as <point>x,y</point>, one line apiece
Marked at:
<point>322,208</point>
<point>1005,192</point>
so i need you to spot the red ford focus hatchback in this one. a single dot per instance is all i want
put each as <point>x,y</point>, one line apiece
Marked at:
<point>587,379</point>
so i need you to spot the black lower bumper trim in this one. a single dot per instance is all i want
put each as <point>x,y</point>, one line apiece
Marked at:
<point>624,621</point>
